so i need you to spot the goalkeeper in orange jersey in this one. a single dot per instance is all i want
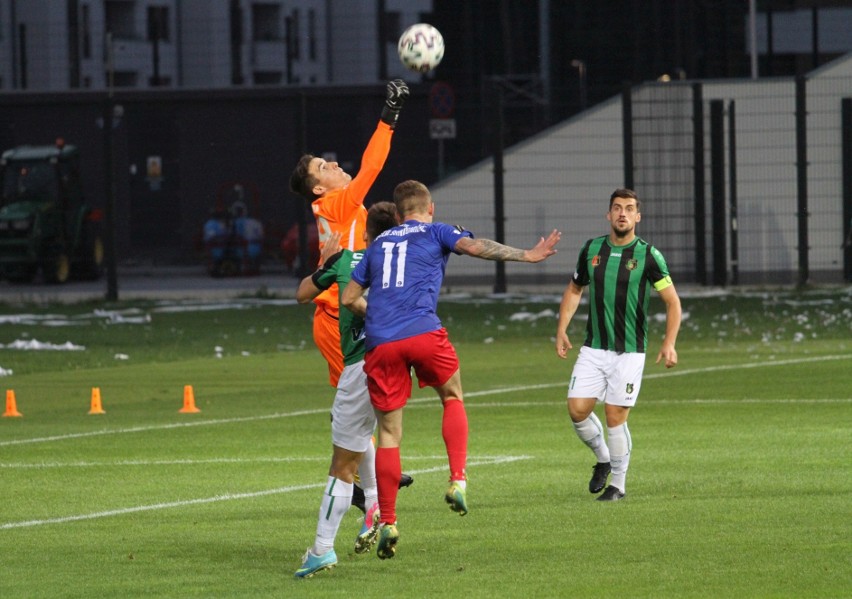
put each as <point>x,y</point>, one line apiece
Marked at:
<point>337,201</point>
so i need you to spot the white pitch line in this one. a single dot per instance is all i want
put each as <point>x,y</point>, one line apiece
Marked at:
<point>157,427</point>
<point>194,462</point>
<point>672,402</point>
<point>223,497</point>
<point>681,372</point>
<point>187,462</point>
<point>498,391</point>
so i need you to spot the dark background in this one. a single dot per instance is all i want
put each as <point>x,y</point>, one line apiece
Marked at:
<point>212,142</point>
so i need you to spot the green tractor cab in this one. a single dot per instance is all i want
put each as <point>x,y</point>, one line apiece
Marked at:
<point>45,222</point>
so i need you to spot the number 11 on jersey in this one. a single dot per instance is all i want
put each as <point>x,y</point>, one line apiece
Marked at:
<point>388,248</point>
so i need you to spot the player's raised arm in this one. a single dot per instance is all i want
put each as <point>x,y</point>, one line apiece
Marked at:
<point>488,249</point>
<point>378,148</point>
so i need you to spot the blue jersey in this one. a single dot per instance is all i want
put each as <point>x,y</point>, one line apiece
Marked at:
<point>404,270</point>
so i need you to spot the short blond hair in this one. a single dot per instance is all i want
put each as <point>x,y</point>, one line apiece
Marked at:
<point>411,196</point>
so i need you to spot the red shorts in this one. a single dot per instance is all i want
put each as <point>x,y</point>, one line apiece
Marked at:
<point>388,367</point>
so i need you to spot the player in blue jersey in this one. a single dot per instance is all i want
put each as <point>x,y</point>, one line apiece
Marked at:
<point>404,269</point>
<point>619,269</point>
<point>352,417</point>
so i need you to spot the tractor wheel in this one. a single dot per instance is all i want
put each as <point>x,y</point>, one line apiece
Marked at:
<point>57,270</point>
<point>92,261</point>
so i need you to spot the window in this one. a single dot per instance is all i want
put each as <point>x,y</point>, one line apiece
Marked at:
<point>267,78</point>
<point>158,23</point>
<point>266,22</point>
<point>392,27</point>
<point>312,34</point>
<point>236,39</point>
<point>119,19</point>
<point>85,31</point>
<point>296,35</point>
<point>124,78</point>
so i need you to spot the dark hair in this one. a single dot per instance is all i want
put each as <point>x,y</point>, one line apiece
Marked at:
<point>623,192</point>
<point>301,181</point>
<point>380,217</point>
<point>411,196</point>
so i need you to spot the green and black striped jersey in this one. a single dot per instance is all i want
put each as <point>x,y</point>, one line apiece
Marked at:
<point>337,269</point>
<point>619,280</point>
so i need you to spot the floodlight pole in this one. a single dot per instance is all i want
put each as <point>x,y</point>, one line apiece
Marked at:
<point>109,205</point>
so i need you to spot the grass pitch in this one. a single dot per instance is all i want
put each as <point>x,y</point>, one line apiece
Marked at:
<point>739,482</point>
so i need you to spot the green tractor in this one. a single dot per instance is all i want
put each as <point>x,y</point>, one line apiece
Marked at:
<point>45,222</point>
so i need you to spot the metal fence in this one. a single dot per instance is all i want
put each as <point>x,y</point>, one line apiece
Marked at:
<point>742,181</point>
<point>173,156</point>
<point>747,178</point>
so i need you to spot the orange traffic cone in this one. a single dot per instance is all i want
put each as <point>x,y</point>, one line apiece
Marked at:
<point>11,405</point>
<point>96,408</point>
<point>188,401</point>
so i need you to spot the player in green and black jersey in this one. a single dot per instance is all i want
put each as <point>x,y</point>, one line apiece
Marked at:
<point>352,417</point>
<point>619,269</point>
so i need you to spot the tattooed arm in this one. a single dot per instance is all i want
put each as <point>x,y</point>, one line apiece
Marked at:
<point>491,250</point>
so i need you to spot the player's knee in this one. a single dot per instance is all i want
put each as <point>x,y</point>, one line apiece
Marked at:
<point>579,409</point>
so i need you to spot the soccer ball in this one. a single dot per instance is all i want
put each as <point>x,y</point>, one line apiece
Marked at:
<point>421,48</point>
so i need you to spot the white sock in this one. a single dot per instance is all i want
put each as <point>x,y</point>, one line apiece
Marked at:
<point>620,444</point>
<point>367,474</point>
<point>336,500</point>
<point>590,432</point>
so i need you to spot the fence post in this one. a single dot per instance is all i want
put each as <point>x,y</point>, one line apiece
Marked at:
<point>732,193</point>
<point>846,189</point>
<point>499,198</point>
<point>698,183</point>
<point>717,184</point>
<point>802,178</point>
<point>109,201</point>
<point>302,212</point>
<point>627,134</point>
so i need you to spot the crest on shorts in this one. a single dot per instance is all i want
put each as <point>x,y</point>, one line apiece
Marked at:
<point>629,388</point>
<point>632,264</point>
<point>596,261</point>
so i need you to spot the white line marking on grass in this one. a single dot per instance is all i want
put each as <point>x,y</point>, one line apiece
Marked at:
<point>657,375</point>
<point>791,361</point>
<point>187,462</point>
<point>192,462</point>
<point>761,400</point>
<point>229,497</point>
<point>725,400</point>
<point>156,427</point>
<point>155,506</point>
<point>417,400</point>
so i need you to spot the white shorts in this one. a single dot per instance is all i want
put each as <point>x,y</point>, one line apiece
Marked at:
<point>353,420</point>
<point>608,376</point>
